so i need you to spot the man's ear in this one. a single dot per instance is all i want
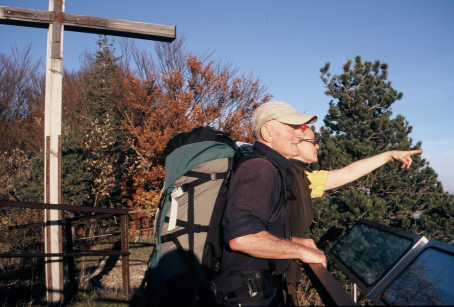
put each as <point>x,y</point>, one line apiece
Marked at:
<point>265,133</point>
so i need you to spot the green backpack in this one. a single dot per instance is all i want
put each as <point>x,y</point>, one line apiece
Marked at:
<point>188,236</point>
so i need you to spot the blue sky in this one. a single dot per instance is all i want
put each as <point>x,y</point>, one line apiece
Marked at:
<point>285,43</point>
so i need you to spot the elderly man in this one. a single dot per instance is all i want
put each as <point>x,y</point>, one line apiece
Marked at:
<point>259,245</point>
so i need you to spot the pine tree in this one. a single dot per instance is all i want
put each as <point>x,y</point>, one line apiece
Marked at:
<point>93,140</point>
<point>359,125</point>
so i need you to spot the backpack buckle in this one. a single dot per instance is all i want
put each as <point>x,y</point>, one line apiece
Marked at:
<point>167,238</point>
<point>252,287</point>
<point>227,177</point>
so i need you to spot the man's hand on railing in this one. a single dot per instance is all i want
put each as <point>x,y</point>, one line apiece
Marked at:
<point>313,254</point>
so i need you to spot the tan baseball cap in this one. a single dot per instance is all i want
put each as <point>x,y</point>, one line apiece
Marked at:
<point>280,111</point>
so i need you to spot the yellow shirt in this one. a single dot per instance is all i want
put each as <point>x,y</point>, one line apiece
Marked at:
<point>318,182</point>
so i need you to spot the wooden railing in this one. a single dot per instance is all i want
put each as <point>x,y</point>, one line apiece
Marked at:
<point>70,253</point>
<point>329,289</point>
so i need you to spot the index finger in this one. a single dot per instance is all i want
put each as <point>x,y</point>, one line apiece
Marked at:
<point>413,152</point>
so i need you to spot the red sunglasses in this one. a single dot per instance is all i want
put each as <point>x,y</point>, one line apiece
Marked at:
<point>304,127</point>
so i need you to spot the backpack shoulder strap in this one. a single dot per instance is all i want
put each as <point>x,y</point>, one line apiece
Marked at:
<point>286,191</point>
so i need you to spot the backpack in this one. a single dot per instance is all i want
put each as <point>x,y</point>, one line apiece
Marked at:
<point>188,235</point>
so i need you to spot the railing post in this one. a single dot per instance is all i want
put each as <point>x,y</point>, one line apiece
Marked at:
<point>69,249</point>
<point>125,257</point>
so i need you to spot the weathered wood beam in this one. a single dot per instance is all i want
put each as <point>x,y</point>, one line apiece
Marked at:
<point>329,289</point>
<point>87,24</point>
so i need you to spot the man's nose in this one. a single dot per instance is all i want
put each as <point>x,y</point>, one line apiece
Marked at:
<point>298,133</point>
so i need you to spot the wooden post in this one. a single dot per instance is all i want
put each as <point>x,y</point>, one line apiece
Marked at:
<point>55,19</point>
<point>52,152</point>
<point>125,258</point>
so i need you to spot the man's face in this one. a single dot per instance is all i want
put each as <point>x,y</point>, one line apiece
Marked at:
<point>308,151</point>
<point>285,138</point>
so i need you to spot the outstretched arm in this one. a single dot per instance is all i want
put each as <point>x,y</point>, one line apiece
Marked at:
<point>355,170</point>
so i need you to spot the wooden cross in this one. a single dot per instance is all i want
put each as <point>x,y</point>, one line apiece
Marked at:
<point>56,20</point>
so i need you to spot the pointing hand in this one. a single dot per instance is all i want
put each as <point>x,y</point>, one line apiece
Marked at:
<point>404,157</point>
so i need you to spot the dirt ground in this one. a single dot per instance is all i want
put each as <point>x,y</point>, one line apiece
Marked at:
<point>106,274</point>
<point>114,278</point>
<point>109,270</point>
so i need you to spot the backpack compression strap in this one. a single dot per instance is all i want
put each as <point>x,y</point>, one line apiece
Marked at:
<point>189,227</point>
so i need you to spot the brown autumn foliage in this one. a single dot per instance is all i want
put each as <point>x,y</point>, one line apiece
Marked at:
<point>21,117</point>
<point>163,105</point>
